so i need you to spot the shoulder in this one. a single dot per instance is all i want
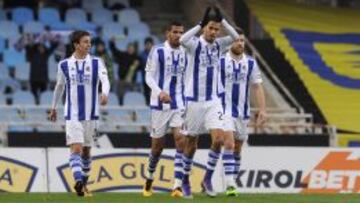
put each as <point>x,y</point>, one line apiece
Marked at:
<point>159,47</point>
<point>63,62</point>
<point>250,58</point>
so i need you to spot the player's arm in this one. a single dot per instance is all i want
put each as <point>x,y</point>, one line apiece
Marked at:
<point>105,84</point>
<point>258,89</point>
<point>221,79</point>
<point>58,92</point>
<point>186,39</point>
<point>151,69</point>
<point>233,35</point>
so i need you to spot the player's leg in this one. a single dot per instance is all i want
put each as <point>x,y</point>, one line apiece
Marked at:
<point>229,164</point>
<point>213,122</point>
<point>189,151</point>
<point>90,133</point>
<point>75,139</point>
<point>213,157</point>
<point>237,157</point>
<point>159,125</point>
<point>178,163</point>
<point>240,136</point>
<point>228,159</point>
<point>193,126</point>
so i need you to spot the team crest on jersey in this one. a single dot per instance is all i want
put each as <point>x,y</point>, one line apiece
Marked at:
<point>88,68</point>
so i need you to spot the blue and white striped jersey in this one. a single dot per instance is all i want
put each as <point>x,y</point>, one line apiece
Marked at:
<point>236,77</point>
<point>165,72</point>
<point>81,80</point>
<point>202,74</point>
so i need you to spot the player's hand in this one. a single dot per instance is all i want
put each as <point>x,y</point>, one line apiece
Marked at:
<point>218,15</point>
<point>260,118</point>
<point>164,97</point>
<point>103,99</point>
<point>205,19</point>
<point>53,115</point>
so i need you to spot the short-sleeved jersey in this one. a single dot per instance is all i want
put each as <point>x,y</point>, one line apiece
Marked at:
<point>81,79</point>
<point>166,66</point>
<point>236,77</point>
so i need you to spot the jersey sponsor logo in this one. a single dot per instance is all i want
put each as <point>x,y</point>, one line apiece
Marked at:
<point>337,172</point>
<point>16,176</point>
<point>126,171</point>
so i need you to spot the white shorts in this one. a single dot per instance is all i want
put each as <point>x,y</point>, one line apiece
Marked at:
<point>82,132</point>
<point>162,120</point>
<point>200,117</point>
<point>237,126</point>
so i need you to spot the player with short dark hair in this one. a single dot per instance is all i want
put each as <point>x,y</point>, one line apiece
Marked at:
<point>165,76</point>
<point>79,75</point>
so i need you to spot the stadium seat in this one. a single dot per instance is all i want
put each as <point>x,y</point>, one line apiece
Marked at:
<point>2,97</point>
<point>113,30</point>
<point>46,98</point>
<point>11,84</point>
<point>33,27</point>
<point>9,29</point>
<point>85,26</point>
<point>12,57</point>
<point>143,116</point>
<point>49,16</point>
<point>50,127</point>
<point>2,44</point>
<point>101,16</point>
<point>20,128</point>
<point>125,3</point>
<point>60,26</point>
<point>138,30</point>
<point>52,68</point>
<point>22,71</point>
<point>10,114</point>
<point>23,98</point>
<point>134,99</point>
<point>3,15</point>
<point>113,99</point>
<point>123,43</point>
<point>22,15</point>
<point>75,16</point>
<point>128,16</point>
<point>92,5</point>
<point>4,73</point>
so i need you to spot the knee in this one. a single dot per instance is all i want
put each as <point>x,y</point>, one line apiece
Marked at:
<point>76,149</point>
<point>217,143</point>
<point>229,145</point>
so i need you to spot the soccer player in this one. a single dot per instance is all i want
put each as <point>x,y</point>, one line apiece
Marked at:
<point>204,111</point>
<point>80,75</point>
<point>238,73</point>
<point>165,77</point>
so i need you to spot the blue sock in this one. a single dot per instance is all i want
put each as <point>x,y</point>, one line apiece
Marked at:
<point>187,162</point>
<point>237,158</point>
<point>178,169</point>
<point>76,166</point>
<point>153,161</point>
<point>213,157</point>
<point>228,164</point>
<point>86,161</point>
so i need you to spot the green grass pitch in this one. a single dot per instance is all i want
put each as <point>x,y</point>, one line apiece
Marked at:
<point>165,198</point>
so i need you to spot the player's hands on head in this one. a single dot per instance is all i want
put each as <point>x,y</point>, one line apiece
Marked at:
<point>103,99</point>
<point>205,18</point>
<point>260,118</point>
<point>53,115</point>
<point>218,15</point>
<point>164,97</point>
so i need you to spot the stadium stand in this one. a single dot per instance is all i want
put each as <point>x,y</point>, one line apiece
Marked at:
<point>117,19</point>
<point>322,51</point>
